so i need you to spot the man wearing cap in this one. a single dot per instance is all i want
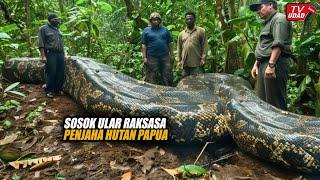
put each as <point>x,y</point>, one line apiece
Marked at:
<point>52,53</point>
<point>157,51</point>
<point>272,53</point>
<point>192,47</point>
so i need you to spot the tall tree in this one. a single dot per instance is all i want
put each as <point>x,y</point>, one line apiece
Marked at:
<point>61,6</point>
<point>225,11</point>
<point>27,22</point>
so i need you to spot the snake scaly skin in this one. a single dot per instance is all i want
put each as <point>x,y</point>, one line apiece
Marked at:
<point>201,108</point>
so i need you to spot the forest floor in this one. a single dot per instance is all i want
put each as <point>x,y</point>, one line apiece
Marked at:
<point>111,160</point>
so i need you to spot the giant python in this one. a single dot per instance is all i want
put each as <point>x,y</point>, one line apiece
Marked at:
<point>201,108</point>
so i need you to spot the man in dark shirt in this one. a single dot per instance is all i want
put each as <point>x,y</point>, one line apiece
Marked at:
<point>272,54</point>
<point>52,53</point>
<point>157,51</point>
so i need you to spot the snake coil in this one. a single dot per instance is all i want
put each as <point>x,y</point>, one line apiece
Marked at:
<point>201,108</point>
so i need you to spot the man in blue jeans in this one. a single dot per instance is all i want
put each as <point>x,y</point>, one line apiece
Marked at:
<point>53,54</point>
<point>157,51</point>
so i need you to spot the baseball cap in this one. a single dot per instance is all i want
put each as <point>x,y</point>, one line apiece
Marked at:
<point>52,16</point>
<point>255,6</point>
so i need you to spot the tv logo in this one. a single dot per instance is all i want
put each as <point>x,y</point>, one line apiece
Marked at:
<point>299,11</point>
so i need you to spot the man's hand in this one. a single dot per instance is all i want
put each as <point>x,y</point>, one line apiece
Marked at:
<point>270,73</point>
<point>43,59</point>
<point>202,62</point>
<point>65,57</point>
<point>254,71</point>
<point>145,60</point>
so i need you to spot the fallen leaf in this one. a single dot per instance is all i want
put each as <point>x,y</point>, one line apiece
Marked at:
<point>30,162</point>
<point>37,174</point>
<point>172,172</point>
<point>34,99</point>
<point>48,129</point>
<point>9,154</point>
<point>42,165</point>
<point>53,112</point>
<point>53,121</point>
<point>146,160</point>
<point>114,165</point>
<point>127,176</point>
<point>8,139</point>
<point>162,151</point>
<point>29,145</point>
<point>78,166</point>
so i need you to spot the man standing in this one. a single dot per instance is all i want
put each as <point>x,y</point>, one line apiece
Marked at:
<point>52,53</point>
<point>192,47</point>
<point>272,53</point>
<point>157,51</point>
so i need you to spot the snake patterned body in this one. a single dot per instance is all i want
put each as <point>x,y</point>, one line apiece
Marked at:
<point>201,108</point>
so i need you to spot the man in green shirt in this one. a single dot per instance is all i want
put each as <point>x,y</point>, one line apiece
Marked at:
<point>272,53</point>
<point>192,47</point>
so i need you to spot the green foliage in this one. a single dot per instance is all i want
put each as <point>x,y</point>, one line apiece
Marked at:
<point>191,171</point>
<point>9,104</point>
<point>7,123</point>
<point>10,88</point>
<point>57,176</point>
<point>35,113</point>
<point>294,93</point>
<point>16,177</point>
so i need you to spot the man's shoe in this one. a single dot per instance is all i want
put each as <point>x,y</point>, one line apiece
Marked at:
<point>49,95</point>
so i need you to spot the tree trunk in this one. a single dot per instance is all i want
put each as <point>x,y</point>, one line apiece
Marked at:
<point>27,21</point>
<point>301,60</point>
<point>129,8</point>
<point>231,55</point>
<point>7,16</point>
<point>89,24</point>
<point>61,6</point>
<point>139,23</point>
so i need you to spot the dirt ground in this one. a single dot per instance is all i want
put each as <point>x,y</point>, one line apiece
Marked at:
<point>112,160</point>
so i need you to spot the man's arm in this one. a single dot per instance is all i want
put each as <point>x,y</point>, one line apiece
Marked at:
<point>43,55</point>
<point>179,50</point>
<point>204,45</point>
<point>171,52</point>
<point>144,53</point>
<point>255,69</point>
<point>279,33</point>
<point>41,38</point>
<point>271,70</point>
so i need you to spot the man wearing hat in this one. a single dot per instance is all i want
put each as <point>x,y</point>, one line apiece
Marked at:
<point>157,51</point>
<point>52,53</point>
<point>272,54</point>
